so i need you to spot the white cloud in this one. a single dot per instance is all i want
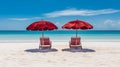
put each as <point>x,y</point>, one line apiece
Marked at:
<point>111,23</point>
<point>23,19</point>
<point>75,12</point>
<point>57,23</point>
<point>18,18</point>
<point>108,21</point>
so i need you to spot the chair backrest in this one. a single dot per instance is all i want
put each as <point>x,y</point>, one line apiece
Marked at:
<point>44,41</point>
<point>75,41</point>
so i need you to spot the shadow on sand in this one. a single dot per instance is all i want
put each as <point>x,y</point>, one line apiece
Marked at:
<point>78,50</point>
<point>41,50</point>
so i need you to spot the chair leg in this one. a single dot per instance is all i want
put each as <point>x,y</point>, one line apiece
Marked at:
<point>81,47</point>
<point>40,46</point>
<point>69,46</point>
<point>50,47</point>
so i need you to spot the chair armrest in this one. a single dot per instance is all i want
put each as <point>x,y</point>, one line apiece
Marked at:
<point>50,42</point>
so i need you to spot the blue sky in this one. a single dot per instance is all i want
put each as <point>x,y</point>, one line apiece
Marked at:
<point>18,14</point>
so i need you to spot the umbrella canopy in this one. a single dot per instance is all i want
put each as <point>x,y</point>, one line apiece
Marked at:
<point>77,24</point>
<point>42,25</point>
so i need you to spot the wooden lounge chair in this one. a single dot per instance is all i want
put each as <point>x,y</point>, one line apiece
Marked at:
<point>45,43</point>
<point>75,43</point>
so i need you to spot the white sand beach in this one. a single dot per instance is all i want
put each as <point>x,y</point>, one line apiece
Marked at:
<point>94,54</point>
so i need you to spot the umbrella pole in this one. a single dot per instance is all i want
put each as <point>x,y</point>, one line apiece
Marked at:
<point>76,33</point>
<point>42,34</point>
<point>42,38</point>
<point>76,36</point>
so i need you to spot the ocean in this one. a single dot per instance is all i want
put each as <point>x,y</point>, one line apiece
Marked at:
<point>60,35</point>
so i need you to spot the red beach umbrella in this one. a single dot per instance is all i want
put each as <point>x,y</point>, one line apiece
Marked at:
<point>42,25</point>
<point>77,24</point>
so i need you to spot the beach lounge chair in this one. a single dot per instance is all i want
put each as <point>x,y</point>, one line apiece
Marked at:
<point>45,43</point>
<point>75,43</point>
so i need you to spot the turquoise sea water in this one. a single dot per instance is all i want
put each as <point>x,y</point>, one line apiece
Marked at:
<point>62,35</point>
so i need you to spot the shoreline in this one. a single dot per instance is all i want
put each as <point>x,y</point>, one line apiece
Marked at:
<point>37,41</point>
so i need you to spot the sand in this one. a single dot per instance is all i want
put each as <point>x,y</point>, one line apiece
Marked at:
<point>94,54</point>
